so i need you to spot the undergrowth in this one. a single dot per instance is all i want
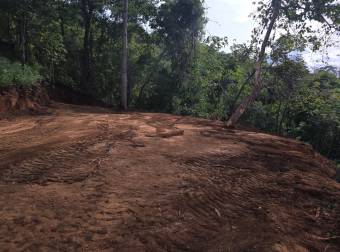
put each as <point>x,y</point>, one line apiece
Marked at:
<point>14,73</point>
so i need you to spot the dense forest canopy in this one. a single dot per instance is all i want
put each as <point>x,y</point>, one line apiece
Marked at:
<point>173,67</point>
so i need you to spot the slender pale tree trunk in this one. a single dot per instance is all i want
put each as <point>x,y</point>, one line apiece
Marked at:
<point>276,5</point>
<point>124,86</point>
<point>233,104</point>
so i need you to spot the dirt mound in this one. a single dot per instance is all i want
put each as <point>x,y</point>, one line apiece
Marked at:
<point>86,179</point>
<point>15,100</point>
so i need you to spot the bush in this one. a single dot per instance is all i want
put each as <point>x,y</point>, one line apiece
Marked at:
<point>13,73</point>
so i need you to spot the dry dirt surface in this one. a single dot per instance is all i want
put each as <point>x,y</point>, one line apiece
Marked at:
<point>88,179</point>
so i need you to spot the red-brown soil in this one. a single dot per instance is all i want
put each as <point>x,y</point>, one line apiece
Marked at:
<point>87,179</point>
<point>16,101</point>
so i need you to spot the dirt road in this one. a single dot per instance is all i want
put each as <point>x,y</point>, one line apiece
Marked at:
<point>86,179</point>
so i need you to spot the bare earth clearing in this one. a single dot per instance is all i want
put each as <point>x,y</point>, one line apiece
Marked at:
<point>86,179</point>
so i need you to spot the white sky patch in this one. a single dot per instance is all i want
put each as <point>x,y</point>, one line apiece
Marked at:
<point>329,56</point>
<point>230,18</point>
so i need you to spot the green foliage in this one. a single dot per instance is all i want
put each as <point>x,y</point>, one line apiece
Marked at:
<point>307,107</point>
<point>298,17</point>
<point>294,102</point>
<point>13,73</point>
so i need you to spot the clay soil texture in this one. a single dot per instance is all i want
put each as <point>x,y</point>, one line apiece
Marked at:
<point>86,179</point>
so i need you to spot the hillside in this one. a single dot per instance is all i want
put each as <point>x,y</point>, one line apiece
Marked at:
<point>86,179</point>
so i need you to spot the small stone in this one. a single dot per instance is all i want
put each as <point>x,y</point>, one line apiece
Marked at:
<point>102,231</point>
<point>88,236</point>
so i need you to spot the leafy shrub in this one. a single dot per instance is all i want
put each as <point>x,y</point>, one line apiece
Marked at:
<point>13,73</point>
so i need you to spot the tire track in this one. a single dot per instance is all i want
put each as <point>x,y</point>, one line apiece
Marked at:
<point>63,163</point>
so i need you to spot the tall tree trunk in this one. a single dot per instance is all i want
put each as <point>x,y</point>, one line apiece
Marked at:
<point>284,112</point>
<point>277,117</point>
<point>87,9</point>
<point>8,25</point>
<point>124,86</point>
<point>233,104</point>
<point>276,5</point>
<point>62,21</point>
<point>149,78</point>
<point>23,40</point>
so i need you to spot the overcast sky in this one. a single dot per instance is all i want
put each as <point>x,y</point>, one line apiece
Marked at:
<point>231,18</point>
